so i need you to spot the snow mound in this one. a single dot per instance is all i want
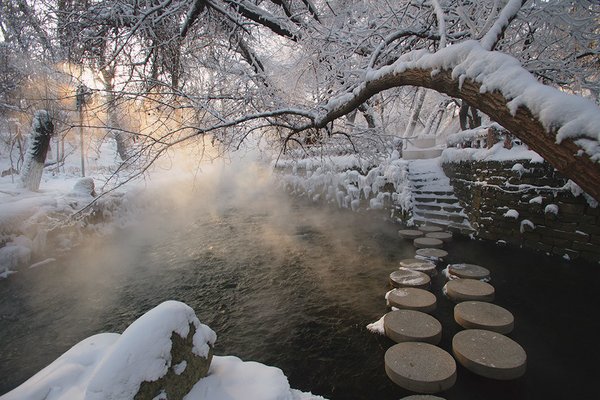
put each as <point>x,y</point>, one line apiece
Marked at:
<point>231,378</point>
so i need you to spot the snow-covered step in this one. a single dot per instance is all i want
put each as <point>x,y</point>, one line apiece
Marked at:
<point>434,201</point>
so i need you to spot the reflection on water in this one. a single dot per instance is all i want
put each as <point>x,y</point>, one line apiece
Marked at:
<point>295,289</point>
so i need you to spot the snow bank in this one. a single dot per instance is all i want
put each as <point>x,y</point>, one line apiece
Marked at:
<point>112,366</point>
<point>231,378</point>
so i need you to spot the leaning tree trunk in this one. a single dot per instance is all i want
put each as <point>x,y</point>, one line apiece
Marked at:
<point>565,157</point>
<point>42,130</point>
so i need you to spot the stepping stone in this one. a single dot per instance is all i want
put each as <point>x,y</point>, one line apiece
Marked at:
<point>428,242</point>
<point>420,367</point>
<point>432,253</point>
<point>489,354</point>
<point>408,278</point>
<point>414,264</point>
<point>469,271</point>
<point>412,326</point>
<point>443,236</point>
<point>410,233</point>
<point>469,289</point>
<point>480,315</point>
<point>412,299</point>
<point>430,228</point>
<point>421,397</point>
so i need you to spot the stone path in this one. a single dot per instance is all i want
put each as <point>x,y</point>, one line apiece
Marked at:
<point>415,363</point>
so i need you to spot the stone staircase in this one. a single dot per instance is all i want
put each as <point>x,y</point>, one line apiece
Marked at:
<point>434,201</point>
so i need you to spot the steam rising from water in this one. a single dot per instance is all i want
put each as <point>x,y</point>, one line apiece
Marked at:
<point>204,238</point>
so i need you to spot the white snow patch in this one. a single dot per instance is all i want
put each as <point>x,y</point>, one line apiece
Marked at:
<point>377,326</point>
<point>511,214</point>
<point>180,368</point>
<point>526,223</point>
<point>230,378</point>
<point>537,200</point>
<point>551,209</point>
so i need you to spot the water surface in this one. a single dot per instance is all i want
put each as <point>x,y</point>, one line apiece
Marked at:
<point>294,287</point>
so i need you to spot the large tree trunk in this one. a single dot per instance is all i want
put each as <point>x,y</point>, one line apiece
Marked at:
<point>565,157</point>
<point>42,130</point>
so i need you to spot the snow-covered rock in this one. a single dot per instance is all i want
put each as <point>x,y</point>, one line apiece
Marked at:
<point>165,354</point>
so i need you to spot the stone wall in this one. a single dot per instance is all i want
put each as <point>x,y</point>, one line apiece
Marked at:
<point>550,218</point>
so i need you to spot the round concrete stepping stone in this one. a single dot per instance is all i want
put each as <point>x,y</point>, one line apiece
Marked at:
<point>408,278</point>
<point>428,242</point>
<point>480,315</point>
<point>412,299</point>
<point>443,236</point>
<point>422,397</point>
<point>469,289</point>
<point>412,326</point>
<point>430,228</point>
<point>414,264</point>
<point>432,253</point>
<point>420,367</point>
<point>489,354</point>
<point>469,271</point>
<point>410,233</point>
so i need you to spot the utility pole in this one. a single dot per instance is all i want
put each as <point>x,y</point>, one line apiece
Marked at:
<point>82,90</point>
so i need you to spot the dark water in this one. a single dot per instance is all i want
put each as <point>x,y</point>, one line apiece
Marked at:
<point>295,290</point>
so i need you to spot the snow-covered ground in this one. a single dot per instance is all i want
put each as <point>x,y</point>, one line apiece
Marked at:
<point>112,366</point>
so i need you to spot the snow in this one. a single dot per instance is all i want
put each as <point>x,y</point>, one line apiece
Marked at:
<point>230,378</point>
<point>567,115</point>
<point>526,224</point>
<point>551,209</point>
<point>511,214</point>
<point>346,180</point>
<point>536,200</point>
<point>143,352</point>
<point>377,326</point>
<point>496,153</point>
<point>180,368</point>
<point>112,366</point>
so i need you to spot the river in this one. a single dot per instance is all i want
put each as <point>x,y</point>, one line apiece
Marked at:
<point>293,285</point>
